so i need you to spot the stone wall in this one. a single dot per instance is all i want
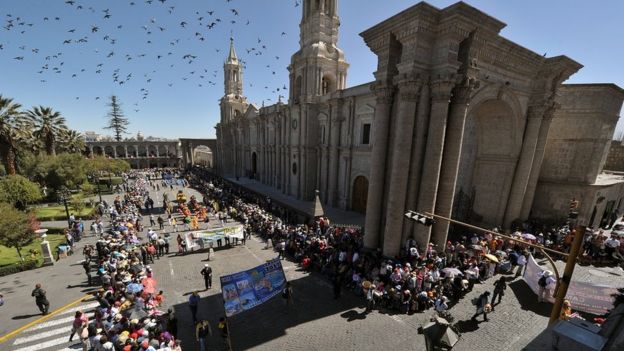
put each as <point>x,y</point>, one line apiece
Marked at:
<point>615,158</point>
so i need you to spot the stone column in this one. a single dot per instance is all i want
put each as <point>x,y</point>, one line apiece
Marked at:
<point>334,150</point>
<point>381,125</point>
<point>537,159</point>
<point>157,151</point>
<point>91,151</point>
<point>451,155</point>
<point>136,151</point>
<point>523,168</point>
<point>409,91</point>
<point>114,151</point>
<point>440,98</point>
<point>416,161</point>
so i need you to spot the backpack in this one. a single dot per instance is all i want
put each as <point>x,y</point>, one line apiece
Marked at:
<point>542,282</point>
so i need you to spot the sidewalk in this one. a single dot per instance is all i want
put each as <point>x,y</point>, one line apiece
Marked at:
<point>336,215</point>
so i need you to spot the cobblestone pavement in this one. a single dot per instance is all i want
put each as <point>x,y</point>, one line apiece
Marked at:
<point>315,322</point>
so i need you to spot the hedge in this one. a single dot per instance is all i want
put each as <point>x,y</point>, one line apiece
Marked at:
<point>19,267</point>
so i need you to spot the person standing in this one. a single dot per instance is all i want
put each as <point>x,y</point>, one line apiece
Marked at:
<point>152,221</point>
<point>40,299</point>
<point>499,291</point>
<point>522,261</point>
<point>287,294</point>
<point>161,222</point>
<point>480,304</point>
<point>194,304</point>
<point>86,264</point>
<point>207,273</point>
<point>202,331</point>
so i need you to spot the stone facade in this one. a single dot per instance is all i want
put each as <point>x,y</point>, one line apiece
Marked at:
<point>615,158</point>
<point>456,123</point>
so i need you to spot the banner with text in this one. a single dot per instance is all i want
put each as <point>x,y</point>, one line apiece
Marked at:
<point>587,297</point>
<point>199,239</point>
<point>247,289</point>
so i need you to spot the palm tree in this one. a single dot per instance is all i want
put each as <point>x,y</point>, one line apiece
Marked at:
<point>48,126</point>
<point>71,141</point>
<point>10,132</point>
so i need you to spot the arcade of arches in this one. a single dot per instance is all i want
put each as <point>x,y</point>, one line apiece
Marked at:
<point>139,154</point>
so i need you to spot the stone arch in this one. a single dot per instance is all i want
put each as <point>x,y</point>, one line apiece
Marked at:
<point>203,155</point>
<point>121,151</point>
<point>254,164</point>
<point>109,151</point>
<point>142,150</point>
<point>490,150</point>
<point>151,150</point>
<point>162,150</point>
<point>131,151</point>
<point>328,84</point>
<point>359,194</point>
<point>98,150</point>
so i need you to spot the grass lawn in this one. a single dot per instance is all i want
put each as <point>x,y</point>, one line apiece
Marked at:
<point>9,255</point>
<point>50,213</point>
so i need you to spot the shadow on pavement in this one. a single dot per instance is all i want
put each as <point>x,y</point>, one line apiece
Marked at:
<point>467,326</point>
<point>528,299</point>
<point>26,316</point>
<point>353,315</point>
<point>268,321</point>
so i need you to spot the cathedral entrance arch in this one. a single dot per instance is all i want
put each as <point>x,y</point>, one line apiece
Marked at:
<point>254,165</point>
<point>360,194</point>
<point>489,154</point>
<point>203,155</point>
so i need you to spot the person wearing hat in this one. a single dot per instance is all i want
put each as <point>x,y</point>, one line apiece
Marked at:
<point>566,311</point>
<point>207,273</point>
<point>480,303</point>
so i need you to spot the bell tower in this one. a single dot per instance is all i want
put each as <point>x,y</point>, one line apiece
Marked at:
<point>319,67</point>
<point>233,103</point>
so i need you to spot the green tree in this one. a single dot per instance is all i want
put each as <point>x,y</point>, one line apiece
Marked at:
<point>68,170</point>
<point>11,132</point>
<point>17,229</point>
<point>77,204</point>
<point>48,125</point>
<point>71,141</point>
<point>19,191</point>
<point>88,188</point>
<point>116,119</point>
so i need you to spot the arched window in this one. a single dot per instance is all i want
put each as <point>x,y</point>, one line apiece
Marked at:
<point>328,7</point>
<point>327,85</point>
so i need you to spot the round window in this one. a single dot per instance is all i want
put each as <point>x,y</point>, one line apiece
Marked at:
<point>294,168</point>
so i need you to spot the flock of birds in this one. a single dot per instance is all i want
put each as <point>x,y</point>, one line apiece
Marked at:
<point>157,58</point>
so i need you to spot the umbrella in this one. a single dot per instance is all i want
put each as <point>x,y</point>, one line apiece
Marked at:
<point>476,247</point>
<point>137,313</point>
<point>149,285</point>
<point>450,271</point>
<point>529,236</point>
<point>491,257</point>
<point>134,288</point>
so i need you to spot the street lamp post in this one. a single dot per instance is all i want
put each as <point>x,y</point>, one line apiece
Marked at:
<point>63,194</point>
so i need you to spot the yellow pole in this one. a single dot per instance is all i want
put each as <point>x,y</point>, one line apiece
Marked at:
<point>564,282</point>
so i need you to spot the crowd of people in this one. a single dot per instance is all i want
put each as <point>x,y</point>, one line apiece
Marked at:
<point>416,280</point>
<point>128,316</point>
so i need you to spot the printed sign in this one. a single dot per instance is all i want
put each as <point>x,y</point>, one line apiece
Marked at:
<point>247,289</point>
<point>587,297</point>
<point>200,239</point>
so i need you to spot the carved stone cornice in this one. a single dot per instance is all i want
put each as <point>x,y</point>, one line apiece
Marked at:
<point>410,87</point>
<point>441,89</point>
<point>464,88</point>
<point>383,91</point>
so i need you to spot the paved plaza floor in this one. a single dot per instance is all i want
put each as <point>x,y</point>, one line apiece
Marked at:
<point>316,321</point>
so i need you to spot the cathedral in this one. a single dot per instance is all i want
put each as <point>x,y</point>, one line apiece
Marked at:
<point>459,122</point>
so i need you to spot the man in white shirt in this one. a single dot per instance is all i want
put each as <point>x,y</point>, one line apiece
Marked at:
<point>522,261</point>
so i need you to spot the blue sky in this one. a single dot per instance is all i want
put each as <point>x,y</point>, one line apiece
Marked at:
<point>162,95</point>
